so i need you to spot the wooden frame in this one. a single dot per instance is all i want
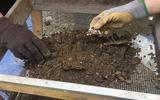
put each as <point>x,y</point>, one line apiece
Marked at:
<point>19,12</point>
<point>69,91</point>
<point>36,16</point>
<point>63,90</point>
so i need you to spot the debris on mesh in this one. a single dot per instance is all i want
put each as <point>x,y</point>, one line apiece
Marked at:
<point>92,31</point>
<point>111,38</point>
<point>85,59</point>
<point>147,54</point>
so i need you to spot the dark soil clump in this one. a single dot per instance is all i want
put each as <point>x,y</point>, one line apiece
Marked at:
<point>87,60</point>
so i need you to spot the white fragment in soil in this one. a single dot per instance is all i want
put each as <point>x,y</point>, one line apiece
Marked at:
<point>48,20</point>
<point>93,31</point>
<point>145,42</point>
<point>81,62</point>
<point>97,73</point>
<point>118,72</point>
<point>106,77</point>
<point>150,18</point>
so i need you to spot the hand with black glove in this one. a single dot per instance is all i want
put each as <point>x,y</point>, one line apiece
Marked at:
<point>22,42</point>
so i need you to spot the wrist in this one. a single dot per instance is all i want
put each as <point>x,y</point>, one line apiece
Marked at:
<point>144,6</point>
<point>138,9</point>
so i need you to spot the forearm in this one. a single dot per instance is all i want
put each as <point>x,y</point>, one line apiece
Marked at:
<point>153,6</point>
<point>143,8</point>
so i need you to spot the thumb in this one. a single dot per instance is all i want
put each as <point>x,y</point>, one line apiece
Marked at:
<point>98,21</point>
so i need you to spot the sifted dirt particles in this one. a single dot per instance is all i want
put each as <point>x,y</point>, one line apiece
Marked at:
<point>87,60</point>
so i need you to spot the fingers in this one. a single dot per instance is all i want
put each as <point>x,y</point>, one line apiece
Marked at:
<point>3,49</point>
<point>41,47</point>
<point>95,19</point>
<point>102,19</point>
<point>23,52</point>
<point>17,53</point>
<point>113,20</point>
<point>36,57</point>
<point>29,52</point>
<point>98,21</point>
<point>26,54</point>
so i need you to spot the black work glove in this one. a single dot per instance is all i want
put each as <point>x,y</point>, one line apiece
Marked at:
<point>22,42</point>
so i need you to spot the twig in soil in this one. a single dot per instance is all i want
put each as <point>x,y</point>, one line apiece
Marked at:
<point>74,68</point>
<point>18,96</point>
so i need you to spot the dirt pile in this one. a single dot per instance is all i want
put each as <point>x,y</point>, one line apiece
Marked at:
<point>86,60</point>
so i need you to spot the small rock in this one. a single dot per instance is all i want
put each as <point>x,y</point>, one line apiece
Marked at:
<point>97,73</point>
<point>121,78</point>
<point>112,84</point>
<point>117,72</point>
<point>101,46</point>
<point>80,62</point>
<point>99,80</point>
<point>92,56</point>
<point>48,20</point>
<point>70,59</point>
<point>58,32</point>
<point>128,81</point>
<point>39,66</point>
<point>106,77</point>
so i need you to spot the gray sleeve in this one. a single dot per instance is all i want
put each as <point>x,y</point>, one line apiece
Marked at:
<point>135,8</point>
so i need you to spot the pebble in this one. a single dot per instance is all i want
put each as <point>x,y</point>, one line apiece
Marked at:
<point>106,77</point>
<point>117,72</point>
<point>48,20</point>
<point>70,59</point>
<point>97,73</point>
<point>128,81</point>
<point>121,78</point>
<point>99,80</point>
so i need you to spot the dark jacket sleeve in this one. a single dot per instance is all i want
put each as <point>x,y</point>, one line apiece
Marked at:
<point>4,25</point>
